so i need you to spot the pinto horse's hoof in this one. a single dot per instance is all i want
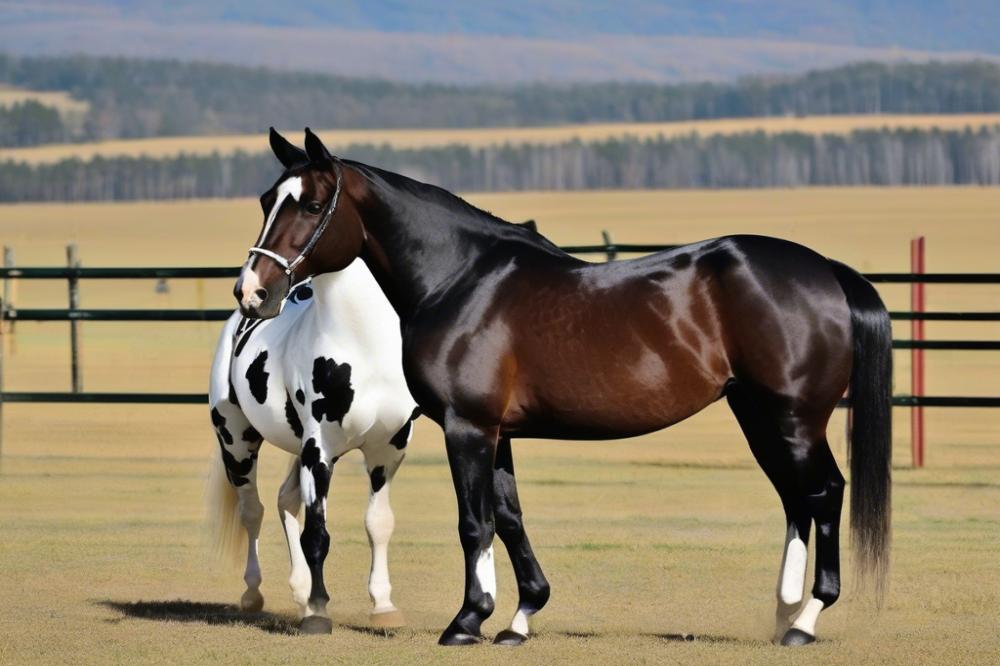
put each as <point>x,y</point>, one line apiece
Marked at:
<point>509,637</point>
<point>450,637</point>
<point>316,624</point>
<point>392,619</point>
<point>252,601</point>
<point>797,637</point>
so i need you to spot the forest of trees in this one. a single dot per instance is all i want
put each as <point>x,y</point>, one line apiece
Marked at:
<point>140,98</point>
<point>871,157</point>
<point>30,123</point>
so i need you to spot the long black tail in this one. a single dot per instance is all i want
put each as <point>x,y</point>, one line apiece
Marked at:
<point>870,448</point>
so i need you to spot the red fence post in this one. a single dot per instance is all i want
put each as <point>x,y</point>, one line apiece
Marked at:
<point>917,355</point>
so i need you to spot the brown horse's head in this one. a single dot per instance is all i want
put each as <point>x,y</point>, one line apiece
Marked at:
<point>310,226</point>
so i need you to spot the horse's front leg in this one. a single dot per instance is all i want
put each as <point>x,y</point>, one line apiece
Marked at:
<point>314,484</point>
<point>289,504</point>
<point>471,449</point>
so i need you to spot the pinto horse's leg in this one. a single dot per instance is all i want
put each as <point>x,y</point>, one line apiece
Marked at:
<point>251,515</point>
<point>314,482</point>
<point>471,449</point>
<point>289,503</point>
<point>793,452</point>
<point>239,445</point>
<point>533,589</point>
<point>382,461</point>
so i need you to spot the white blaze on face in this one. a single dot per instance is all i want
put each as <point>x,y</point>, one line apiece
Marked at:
<point>793,572</point>
<point>291,187</point>
<point>486,573</point>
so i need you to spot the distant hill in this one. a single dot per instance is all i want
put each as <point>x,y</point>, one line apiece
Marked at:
<point>129,98</point>
<point>513,40</point>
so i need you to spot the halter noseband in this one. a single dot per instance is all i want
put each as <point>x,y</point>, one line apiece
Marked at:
<point>289,266</point>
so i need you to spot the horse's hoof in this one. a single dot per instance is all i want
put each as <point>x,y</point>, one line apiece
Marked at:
<point>252,601</point>
<point>458,638</point>
<point>392,619</point>
<point>509,637</point>
<point>316,624</point>
<point>797,637</point>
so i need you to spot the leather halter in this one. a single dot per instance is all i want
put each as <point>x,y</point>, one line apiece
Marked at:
<point>289,266</point>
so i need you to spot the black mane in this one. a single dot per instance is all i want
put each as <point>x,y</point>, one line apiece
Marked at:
<point>481,220</point>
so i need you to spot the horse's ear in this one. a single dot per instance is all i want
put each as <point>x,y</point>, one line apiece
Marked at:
<point>528,224</point>
<point>286,153</point>
<point>315,149</point>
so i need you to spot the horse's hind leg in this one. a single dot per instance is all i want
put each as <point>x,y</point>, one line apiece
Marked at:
<point>792,450</point>
<point>533,588</point>
<point>239,445</point>
<point>382,460</point>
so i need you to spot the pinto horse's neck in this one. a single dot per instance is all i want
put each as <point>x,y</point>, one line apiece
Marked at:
<point>421,239</point>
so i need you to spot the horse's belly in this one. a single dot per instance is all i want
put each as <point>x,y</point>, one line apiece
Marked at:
<point>612,405</point>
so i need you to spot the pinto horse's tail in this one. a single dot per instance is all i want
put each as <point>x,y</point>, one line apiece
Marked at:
<point>870,446</point>
<point>221,504</point>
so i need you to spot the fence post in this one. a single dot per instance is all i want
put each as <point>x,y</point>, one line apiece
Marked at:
<point>917,355</point>
<point>8,283</point>
<point>73,261</point>
<point>609,247</point>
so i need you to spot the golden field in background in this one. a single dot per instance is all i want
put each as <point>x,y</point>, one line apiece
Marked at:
<point>480,137</point>
<point>61,101</point>
<point>673,533</point>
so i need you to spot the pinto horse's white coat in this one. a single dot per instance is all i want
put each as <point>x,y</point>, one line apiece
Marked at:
<point>347,319</point>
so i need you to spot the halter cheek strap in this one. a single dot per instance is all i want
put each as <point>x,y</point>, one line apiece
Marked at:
<point>289,266</point>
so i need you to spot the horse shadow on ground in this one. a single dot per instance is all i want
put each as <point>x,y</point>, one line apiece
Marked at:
<point>669,637</point>
<point>202,612</point>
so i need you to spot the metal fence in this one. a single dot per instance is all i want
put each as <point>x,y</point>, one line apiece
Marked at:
<point>74,272</point>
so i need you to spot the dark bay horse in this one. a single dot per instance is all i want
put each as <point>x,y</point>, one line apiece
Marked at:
<point>504,336</point>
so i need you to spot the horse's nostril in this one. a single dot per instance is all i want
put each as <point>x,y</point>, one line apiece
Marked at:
<point>261,294</point>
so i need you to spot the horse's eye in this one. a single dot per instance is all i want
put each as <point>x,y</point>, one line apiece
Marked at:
<point>314,207</point>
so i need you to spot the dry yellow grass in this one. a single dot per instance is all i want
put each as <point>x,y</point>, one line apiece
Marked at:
<point>62,101</point>
<point>671,533</point>
<point>478,137</point>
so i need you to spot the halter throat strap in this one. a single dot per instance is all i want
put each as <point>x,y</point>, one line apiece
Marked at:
<point>331,208</point>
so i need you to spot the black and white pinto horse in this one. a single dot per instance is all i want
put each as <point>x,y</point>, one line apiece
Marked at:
<point>322,378</point>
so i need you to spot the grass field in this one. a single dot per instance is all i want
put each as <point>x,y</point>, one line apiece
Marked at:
<point>104,560</point>
<point>62,101</point>
<point>477,137</point>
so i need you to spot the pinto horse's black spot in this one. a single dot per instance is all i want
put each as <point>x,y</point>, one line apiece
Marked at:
<point>257,377</point>
<point>251,435</point>
<point>303,293</point>
<point>400,439</point>
<point>300,396</point>
<point>219,421</point>
<point>310,454</point>
<point>292,416</point>
<point>313,461</point>
<point>332,381</point>
<point>237,470</point>
<point>378,478</point>
<point>232,393</point>
<point>246,334</point>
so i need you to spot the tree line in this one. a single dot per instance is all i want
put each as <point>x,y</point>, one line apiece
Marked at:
<point>867,157</point>
<point>30,123</point>
<point>131,98</point>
